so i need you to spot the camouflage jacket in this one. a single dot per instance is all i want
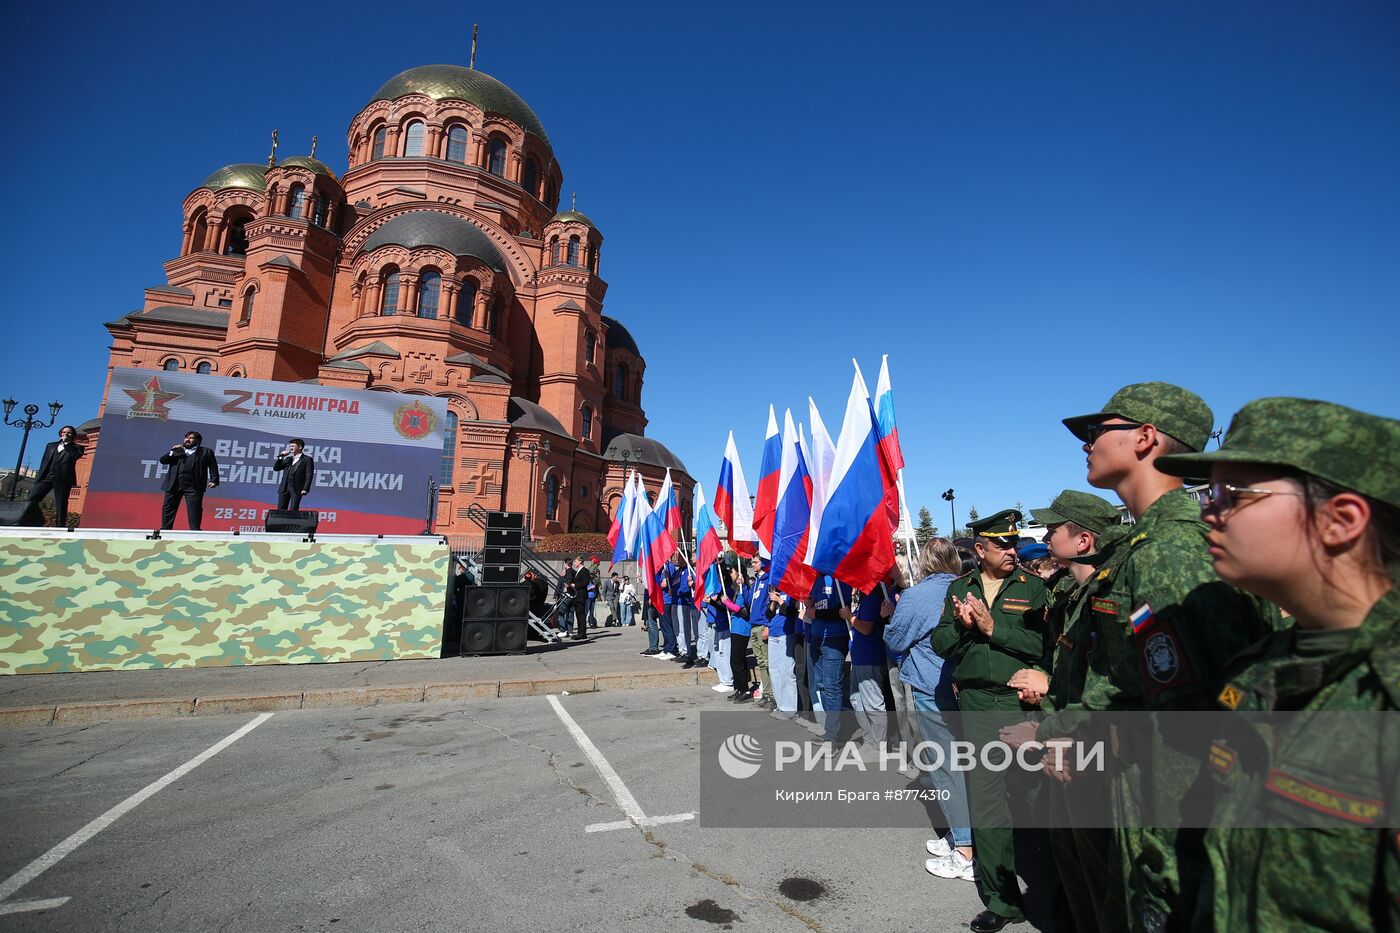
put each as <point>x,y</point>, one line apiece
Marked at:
<point>1073,639</point>
<point>1174,655</point>
<point>1018,632</point>
<point>1343,873</point>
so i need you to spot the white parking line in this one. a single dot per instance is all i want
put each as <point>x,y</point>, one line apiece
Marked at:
<point>65,848</point>
<point>625,801</point>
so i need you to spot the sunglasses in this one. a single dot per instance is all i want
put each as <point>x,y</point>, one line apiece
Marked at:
<point>1095,431</point>
<point>1222,497</point>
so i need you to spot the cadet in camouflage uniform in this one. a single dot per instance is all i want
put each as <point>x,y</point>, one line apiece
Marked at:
<point>993,625</point>
<point>1076,522</point>
<point>1304,509</point>
<point>1164,629</point>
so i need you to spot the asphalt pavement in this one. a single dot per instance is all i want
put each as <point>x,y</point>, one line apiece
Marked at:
<point>477,814</point>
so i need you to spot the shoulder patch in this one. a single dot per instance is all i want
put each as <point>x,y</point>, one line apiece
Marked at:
<point>1222,759</point>
<point>1138,538</point>
<point>1104,574</point>
<point>1230,697</point>
<point>1164,662</point>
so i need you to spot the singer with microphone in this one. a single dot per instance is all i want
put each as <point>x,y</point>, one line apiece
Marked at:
<point>193,470</point>
<point>298,473</point>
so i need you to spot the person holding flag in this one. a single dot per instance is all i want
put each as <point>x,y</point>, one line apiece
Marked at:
<point>765,503</point>
<point>789,574</point>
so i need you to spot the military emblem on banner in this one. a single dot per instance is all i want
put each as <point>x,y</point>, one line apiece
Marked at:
<point>413,421</point>
<point>150,401</point>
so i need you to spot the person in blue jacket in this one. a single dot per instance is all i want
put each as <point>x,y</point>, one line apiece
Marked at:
<point>737,602</point>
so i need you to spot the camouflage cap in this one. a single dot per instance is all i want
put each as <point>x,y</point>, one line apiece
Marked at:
<point>1085,509</point>
<point>1172,409</point>
<point>1001,525</point>
<point>1355,450</point>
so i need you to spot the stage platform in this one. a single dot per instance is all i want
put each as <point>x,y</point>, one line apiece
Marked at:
<point>119,599</point>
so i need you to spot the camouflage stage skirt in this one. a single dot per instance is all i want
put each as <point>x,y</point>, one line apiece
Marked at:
<point>94,601</point>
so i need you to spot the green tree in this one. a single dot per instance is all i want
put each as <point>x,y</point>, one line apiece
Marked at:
<point>925,531</point>
<point>972,515</point>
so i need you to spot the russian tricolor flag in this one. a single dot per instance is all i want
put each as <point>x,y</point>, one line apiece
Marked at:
<point>732,503</point>
<point>707,550</point>
<point>855,539</point>
<point>821,456</point>
<point>789,571</point>
<point>765,503</point>
<point>884,418</point>
<point>623,545</point>
<point>654,546</point>
<point>667,500</point>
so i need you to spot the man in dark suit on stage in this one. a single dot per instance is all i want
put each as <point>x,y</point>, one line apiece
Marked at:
<point>193,470</point>
<point>298,473</point>
<point>58,472</point>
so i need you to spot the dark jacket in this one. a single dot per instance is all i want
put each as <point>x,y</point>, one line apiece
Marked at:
<point>1018,636</point>
<point>206,468</point>
<point>297,477</point>
<point>61,469</point>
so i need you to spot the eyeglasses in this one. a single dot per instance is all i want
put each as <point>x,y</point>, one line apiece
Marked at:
<point>1095,431</point>
<point>1223,497</point>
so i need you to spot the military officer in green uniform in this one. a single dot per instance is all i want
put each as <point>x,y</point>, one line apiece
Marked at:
<point>1163,629</point>
<point>993,625</point>
<point>1304,510</point>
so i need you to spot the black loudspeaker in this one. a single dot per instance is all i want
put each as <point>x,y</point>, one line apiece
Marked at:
<point>500,573</point>
<point>503,537</point>
<point>23,514</point>
<point>296,522</point>
<point>509,556</point>
<point>506,521</point>
<point>493,619</point>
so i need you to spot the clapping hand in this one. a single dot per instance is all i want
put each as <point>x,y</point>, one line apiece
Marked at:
<point>975,614</point>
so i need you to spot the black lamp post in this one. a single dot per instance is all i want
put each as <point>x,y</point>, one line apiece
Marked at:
<point>534,452</point>
<point>948,497</point>
<point>28,424</point>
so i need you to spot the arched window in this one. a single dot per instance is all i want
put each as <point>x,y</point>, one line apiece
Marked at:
<point>620,382</point>
<point>449,450</point>
<point>318,210</point>
<point>429,291</point>
<point>381,134</point>
<point>554,251</point>
<point>493,318</point>
<point>457,143</point>
<point>572,258</point>
<point>413,140</point>
<point>466,302</point>
<point>199,232</point>
<point>203,369</point>
<point>235,375</point>
<point>237,244</point>
<point>587,421</point>
<point>530,180</point>
<point>296,201</point>
<point>170,365</point>
<point>246,313</point>
<point>389,303</point>
<point>552,201</point>
<point>551,498</point>
<point>496,161</point>
<point>590,346</point>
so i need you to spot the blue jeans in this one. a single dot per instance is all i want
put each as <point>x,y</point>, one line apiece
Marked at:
<point>592,601</point>
<point>934,729</point>
<point>830,651</point>
<point>683,618</point>
<point>782,672</point>
<point>705,640</point>
<point>668,631</point>
<point>624,613</point>
<point>653,630</point>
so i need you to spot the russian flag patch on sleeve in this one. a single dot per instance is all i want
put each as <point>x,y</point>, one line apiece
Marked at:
<point>1141,617</point>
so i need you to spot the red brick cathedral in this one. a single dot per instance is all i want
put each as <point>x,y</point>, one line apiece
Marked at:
<point>438,264</point>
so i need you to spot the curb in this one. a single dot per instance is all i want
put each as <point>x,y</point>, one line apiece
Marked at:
<point>67,714</point>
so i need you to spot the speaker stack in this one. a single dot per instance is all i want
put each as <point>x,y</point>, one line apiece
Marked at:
<point>494,613</point>
<point>292,521</point>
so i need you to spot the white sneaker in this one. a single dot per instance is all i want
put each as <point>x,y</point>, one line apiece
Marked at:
<point>722,688</point>
<point>938,847</point>
<point>953,866</point>
<point>664,656</point>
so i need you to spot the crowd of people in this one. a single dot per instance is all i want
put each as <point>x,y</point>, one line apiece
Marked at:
<point>1270,589</point>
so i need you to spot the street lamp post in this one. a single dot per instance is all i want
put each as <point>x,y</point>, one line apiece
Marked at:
<point>28,424</point>
<point>952,512</point>
<point>533,452</point>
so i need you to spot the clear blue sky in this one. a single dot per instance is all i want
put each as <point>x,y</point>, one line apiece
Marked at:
<point>1026,204</point>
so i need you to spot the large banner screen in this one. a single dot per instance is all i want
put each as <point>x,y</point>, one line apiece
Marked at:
<point>374,451</point>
